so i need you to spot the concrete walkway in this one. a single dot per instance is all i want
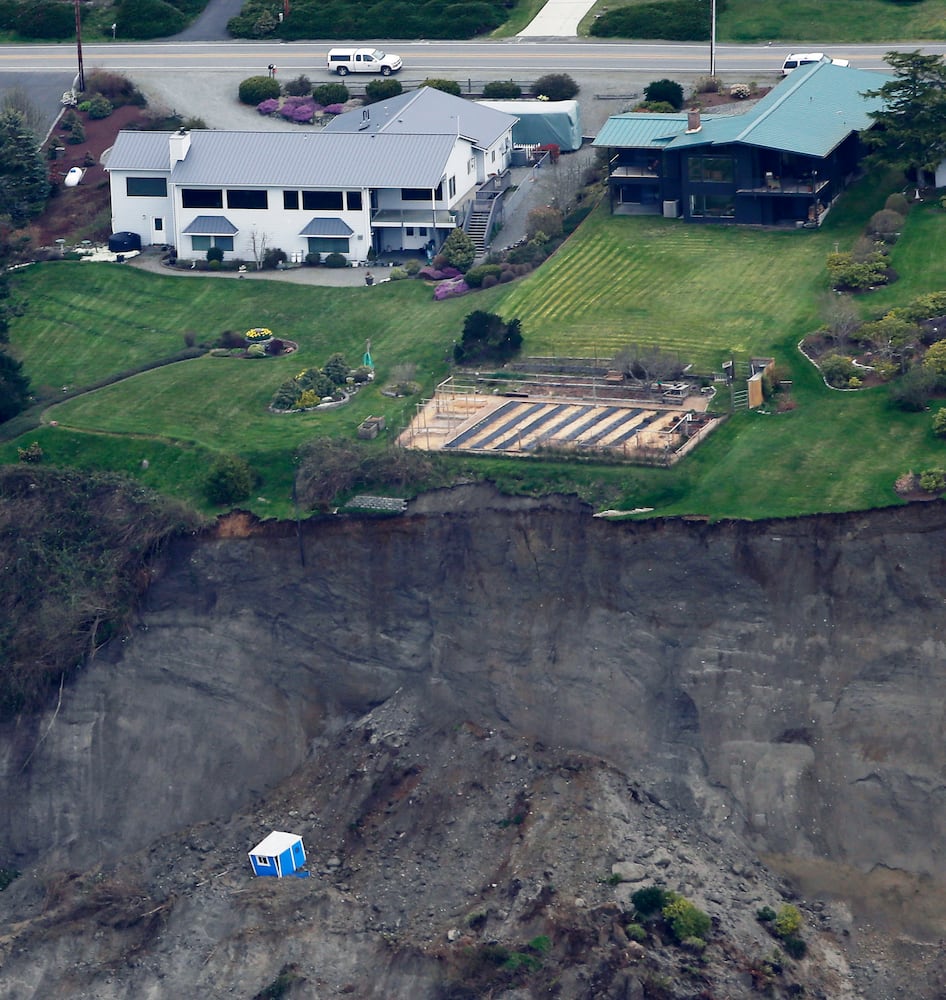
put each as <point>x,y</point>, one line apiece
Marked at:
<point>557,19</point>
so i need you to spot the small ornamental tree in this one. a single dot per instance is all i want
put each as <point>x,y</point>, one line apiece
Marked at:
<point>229,481</point>
<point>256,89</point>
<point>665,90</point>
<point>555,87</point>
<point>337,369</point>
<point>458,249</point>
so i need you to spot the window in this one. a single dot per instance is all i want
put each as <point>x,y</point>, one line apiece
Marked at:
<point>322,201</point>
<point>493,156</point>
<point>159,225</point>
<point>453,187</point>
<point>290,200</point>
<point>247,199</point>
<point>711,169</point>
<point>354,200</point>
<point>711,206</point>
<point>422,231</point>
<point>421,194</point>
<point>409,231</point>
<point>146,187</point>
<point>202,197</point>
<point>206,242</point>
<point>327,244</point>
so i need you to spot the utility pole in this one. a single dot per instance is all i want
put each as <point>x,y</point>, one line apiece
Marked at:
<point>81,76</point>
<point>712,37</point>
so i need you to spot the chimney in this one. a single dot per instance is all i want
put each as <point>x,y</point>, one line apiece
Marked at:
<point>693,120</point>
<point>180,143</point>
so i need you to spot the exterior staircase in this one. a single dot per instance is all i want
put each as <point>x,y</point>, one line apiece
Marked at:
<point>477,228</point>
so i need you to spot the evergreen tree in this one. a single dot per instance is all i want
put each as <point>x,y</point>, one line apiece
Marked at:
<point>14,387</point>
<point>458,249</point>
<point>24,186</point>
<point>910,129</point>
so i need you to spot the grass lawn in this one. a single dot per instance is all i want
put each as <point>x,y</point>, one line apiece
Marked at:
<point>787,22</point>
<point>704,292</point>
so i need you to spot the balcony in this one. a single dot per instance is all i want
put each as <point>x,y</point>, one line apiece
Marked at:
<point>770,184</point>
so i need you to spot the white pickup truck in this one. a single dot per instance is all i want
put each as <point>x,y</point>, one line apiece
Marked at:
<point>345,61</point>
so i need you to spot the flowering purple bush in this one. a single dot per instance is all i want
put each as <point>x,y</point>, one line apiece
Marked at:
<point>303,114</point>
<point>334,109</point>
<point>267,107</point>
<point>451,272</point>
<point>450,289</point>
<point>430,274</point>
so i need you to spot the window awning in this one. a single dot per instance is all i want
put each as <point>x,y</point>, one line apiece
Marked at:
<point>327,227</point>
<point>211,225</point>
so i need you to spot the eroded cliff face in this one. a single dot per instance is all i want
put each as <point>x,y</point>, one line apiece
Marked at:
<point>780,680</point>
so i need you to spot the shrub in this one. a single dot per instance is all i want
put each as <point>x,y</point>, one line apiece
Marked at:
<point>885,224</point>
<point>451,288</point>
<point>99,107</point>
<point>229,481</point>
<point>256,89</point>
<point>335,260</point>
<point>330,93</point>
<point>45,20</point>
<point>740,91</point>
<point>545,220</point>
<point>447,86</point>
<point>837,370</point>
<point>795,947</point>
<point>635,933</point>
<point>458,249</point>
<point>933,480</point>
<point>118,89</point>
<point>413,266</point>
<point>149,19</point>
<point>268,107</point>
<point>502,90</point>
<point>669,20</point>
<point>939,423</point>
<point>32,453</point>
<point>665,90</point>
<point>76,134</point>
<point>301,86</point>
<point>555,87</point>
<point>487,336</point>
<point>708,85</point>
<point>846,272</point>
<point>313,259</point>
<point>273,256</point>
<point>475,276</point>
<point>898,203</point>
<point>655,107</point>
<point>686,920</point>
<point>397,274</point>
<point>911,393</point>
<point>765,915</point>
<point>214,254</point>
<point>337,369</point>
<point>934,360</point>
<point>574,219</point>
<point>787,921</point>
<point>381,90</point>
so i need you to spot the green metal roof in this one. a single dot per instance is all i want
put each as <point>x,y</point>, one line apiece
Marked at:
<point>810,112</point>
<point>637,130</point>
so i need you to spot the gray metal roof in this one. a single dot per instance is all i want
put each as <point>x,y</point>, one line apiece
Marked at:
<point>327,227</point>
<point>140,151</point>
<point>211,225</point>
<point>427,112</point>
<point>303,159</point>
<point>810,112</point>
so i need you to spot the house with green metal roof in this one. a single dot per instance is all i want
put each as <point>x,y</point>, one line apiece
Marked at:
<point>783,161</point>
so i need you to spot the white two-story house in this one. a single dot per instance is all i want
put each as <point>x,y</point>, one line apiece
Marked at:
<point>397,175</point>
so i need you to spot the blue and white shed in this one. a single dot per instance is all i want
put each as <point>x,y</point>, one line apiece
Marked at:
<point>278,855</point>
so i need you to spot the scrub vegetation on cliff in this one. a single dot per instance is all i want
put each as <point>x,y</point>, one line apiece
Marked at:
<point>72,550</point>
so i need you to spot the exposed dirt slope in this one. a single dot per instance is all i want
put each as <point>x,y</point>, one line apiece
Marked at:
<point>471,713</point>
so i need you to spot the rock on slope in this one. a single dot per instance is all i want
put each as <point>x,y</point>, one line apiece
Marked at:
<point>471,713</point>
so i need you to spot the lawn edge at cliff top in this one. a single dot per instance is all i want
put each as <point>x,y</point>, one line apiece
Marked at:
<point>836,451</point>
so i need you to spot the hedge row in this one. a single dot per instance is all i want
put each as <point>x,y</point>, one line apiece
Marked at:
<point>672,21</point>
<point>350,20</point>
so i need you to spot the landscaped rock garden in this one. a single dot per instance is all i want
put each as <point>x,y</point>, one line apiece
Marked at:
<point>256,343</point>
<point>314,388</point>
